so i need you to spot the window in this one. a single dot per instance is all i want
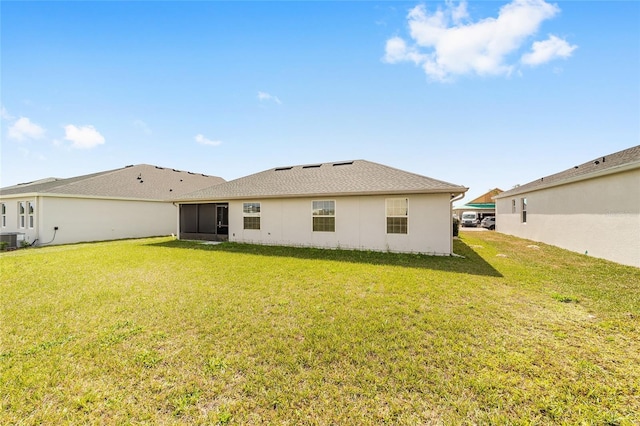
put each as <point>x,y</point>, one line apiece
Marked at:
<point>324,216</point>
<point>524,210</point>
<point>30,210</point>
<point>3,206</point>
<point>397,215</point>
<point>513,205</point>
<point>21,214</point>
<point>251,213</point>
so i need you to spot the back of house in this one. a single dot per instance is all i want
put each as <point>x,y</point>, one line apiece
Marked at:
<point>348,204</point>
<point>130,202</point>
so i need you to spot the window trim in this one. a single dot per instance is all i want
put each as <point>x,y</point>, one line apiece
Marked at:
<point>22,210</point>
<point>523,213</point>
<point>322,216</point>
<point>404,216</point>
<point>31,209</point>
<point>3,213</point>
<point>252,215</point>
<point>513,205</point>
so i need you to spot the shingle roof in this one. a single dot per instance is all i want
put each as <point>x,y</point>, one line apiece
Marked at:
<point>142,181</point>
<point>611,163</point>
<point>357,177</point>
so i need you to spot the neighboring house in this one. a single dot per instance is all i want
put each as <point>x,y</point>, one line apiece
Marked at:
<point>484,205</point>
<point>130,202</point>
<point>351,204</point>
<point>593,208</point>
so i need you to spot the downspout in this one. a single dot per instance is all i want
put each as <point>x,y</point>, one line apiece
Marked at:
<point>38,213</point>
<point>453,200</point>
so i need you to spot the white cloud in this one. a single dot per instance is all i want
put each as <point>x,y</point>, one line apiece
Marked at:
<point>266,97</point>
<point>142,126</point>
<point>83,137</point>
<point>204,141</point>
<point>547,50</point>
<point>5,114</point>
<point>446,43</point>
<point>23,129</point>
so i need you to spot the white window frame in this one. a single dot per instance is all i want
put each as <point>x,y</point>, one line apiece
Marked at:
<point>397,212</point>
<point>30,214</point>
<point>523,213</point>
<point>318,212</point>
<point>249,211</point>
<point>22,211</point>
<point>4,214</point>
<point>513,205</point>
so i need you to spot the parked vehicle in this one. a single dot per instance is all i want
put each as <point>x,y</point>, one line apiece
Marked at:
<point>470,219</point>
<point>489,222</point>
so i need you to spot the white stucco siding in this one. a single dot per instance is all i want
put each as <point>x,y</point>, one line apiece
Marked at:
<point>81,219</point>
<point>12,221</point>
<point>600,217</point>
<point>360,223</point>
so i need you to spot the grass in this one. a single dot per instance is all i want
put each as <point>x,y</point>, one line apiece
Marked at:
<point>173,332</point>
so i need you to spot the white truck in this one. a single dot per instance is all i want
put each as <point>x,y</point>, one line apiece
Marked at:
<point>471,219</point>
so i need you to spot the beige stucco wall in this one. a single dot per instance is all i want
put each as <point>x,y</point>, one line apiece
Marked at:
<point>360,224</point>
<point>599,216</point>
<point>92,219</point>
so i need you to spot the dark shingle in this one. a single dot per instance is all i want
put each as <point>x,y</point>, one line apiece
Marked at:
<point>356,177</point>
<point>598,165</point>
<point>141,181</point>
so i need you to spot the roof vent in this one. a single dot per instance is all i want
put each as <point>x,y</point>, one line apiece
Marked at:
<point>191,173</point>
<point>283,168</point>
<point>159,168</point>
<point>130,165</point>
<point>175,170</point>
<point>344,163</point>
<point>575,167</point>
<point>312,166</point>
<point>596,162</point>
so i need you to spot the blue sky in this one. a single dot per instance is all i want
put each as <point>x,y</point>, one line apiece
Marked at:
<point>482,94</point>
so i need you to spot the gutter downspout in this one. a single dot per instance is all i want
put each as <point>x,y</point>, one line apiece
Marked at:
<point>454,199</point>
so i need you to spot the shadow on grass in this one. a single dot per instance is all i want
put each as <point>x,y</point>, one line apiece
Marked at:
<point>472,263</point>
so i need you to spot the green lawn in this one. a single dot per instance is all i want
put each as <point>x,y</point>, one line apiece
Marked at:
<point>171,332</point>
